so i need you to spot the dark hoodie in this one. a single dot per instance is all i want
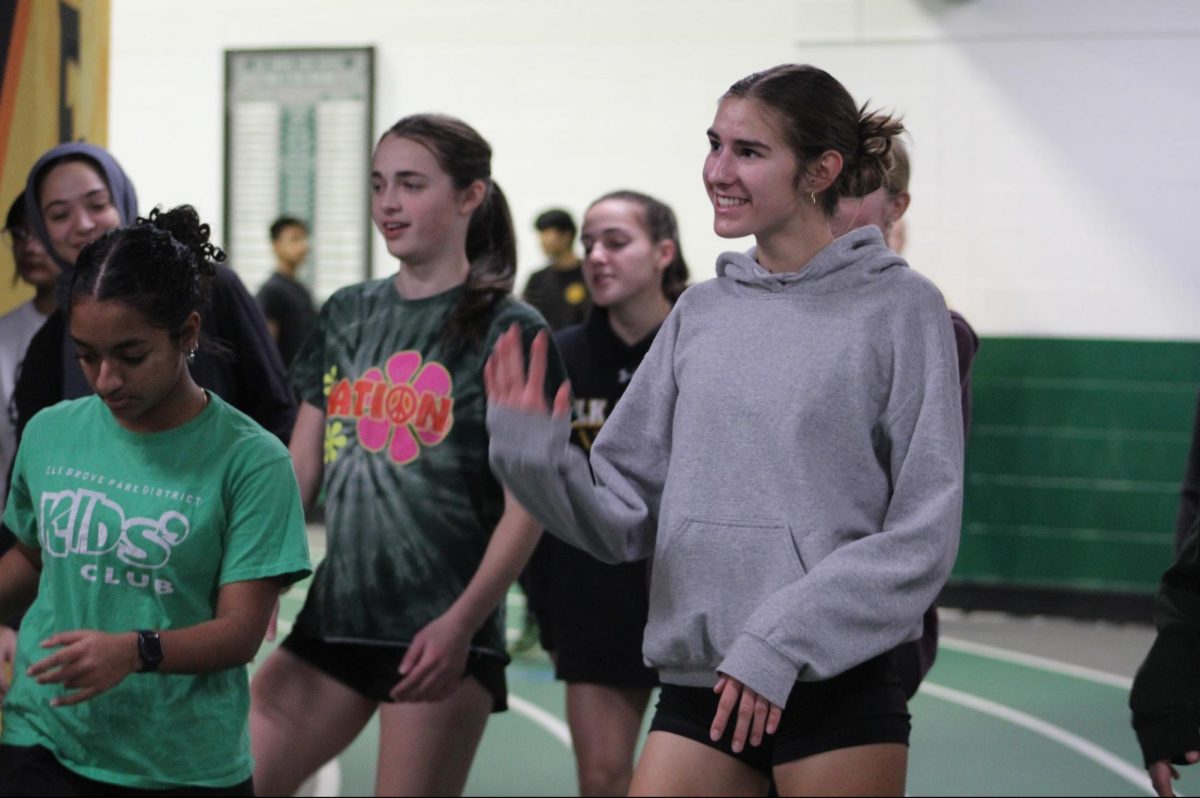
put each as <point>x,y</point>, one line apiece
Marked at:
<point>790,452</point>
<point>1165,698</point>
<point>250,375</point>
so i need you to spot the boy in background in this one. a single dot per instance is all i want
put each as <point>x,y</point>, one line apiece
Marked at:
<point>557,290</point>
<point>285,301</point>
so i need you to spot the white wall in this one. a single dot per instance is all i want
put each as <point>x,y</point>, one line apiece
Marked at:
<point>1055,186</point>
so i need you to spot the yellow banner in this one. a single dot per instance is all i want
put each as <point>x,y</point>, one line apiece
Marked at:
<point>54,89</point>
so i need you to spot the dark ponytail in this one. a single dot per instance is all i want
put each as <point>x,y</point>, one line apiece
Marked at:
<point>817,114</point>
<point>491,242</point>
<point>492,251</point>
<point>162,266</point>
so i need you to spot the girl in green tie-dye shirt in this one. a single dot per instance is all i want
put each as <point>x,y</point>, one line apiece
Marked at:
<point>404,614</point>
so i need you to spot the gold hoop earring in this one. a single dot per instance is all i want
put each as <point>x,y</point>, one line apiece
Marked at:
<point>813,194</point>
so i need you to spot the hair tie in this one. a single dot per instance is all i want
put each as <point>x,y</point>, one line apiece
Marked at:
<point>211,252</point>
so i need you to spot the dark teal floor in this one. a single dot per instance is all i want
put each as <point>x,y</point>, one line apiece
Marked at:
<point>983,726</point>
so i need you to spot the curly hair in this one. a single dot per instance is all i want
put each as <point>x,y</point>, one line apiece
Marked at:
<point>162,266</point>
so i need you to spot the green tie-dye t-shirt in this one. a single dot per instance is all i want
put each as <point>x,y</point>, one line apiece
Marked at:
<point>410,501</point>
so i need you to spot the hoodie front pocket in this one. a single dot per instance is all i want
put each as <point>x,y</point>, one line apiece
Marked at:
<point>709,577</point>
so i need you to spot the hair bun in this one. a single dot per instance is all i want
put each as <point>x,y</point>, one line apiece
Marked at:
<point>875,134</point>
<point>184,225</point>
<point>872,159</point>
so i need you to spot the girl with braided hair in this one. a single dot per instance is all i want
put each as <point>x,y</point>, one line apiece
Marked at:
<point>789,453</point>
<point>155,525</point>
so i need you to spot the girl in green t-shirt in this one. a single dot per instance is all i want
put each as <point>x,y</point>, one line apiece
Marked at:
<point>155,525</point>
<point>404,615</point>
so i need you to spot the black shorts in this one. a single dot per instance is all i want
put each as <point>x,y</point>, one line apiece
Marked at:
<point>863,706</point>
<point>591,615</point>
<point>36,771</point>
<point>373,669</point>
<point>914,659</point>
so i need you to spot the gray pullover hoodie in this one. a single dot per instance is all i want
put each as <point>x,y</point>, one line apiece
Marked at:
<point>790,452</point>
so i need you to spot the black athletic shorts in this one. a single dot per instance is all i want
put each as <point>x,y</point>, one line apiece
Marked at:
<point>373,669</point>
<point>863,706</point>
<point>591,615</point>
<point>36,771</point>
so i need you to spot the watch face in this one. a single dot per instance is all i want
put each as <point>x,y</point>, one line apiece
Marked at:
<point>150,650</point>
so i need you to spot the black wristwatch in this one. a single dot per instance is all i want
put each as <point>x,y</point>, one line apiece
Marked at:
<point>150,650</point>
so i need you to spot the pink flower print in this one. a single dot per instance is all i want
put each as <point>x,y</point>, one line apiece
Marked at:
<point>433,380</point>
<point>374,434</point>
<point>412,403</point>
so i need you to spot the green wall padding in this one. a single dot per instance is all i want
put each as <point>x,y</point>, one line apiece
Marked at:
<point>1074,463</point>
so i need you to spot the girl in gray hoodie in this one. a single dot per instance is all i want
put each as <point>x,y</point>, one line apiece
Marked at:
<point>790,455</point>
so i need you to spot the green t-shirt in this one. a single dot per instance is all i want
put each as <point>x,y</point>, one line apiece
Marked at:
<point>140,531</point>
<point>411,501</point>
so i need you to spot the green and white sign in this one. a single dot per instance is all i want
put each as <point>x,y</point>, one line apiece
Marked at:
<point>298,136</point>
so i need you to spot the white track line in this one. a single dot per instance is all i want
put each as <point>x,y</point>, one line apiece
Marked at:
<point>1041,663</point>
<point>328,781</point>
<point>325,783</point>
<point>1105,759</point>
<point>557,729</point>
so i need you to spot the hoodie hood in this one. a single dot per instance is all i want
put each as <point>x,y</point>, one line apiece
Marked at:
<point>119,188</point>
<point>847,260</point>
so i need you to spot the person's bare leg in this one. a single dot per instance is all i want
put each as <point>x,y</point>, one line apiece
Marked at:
<point>674,765</point>
<point>605,723</point>
<point>300,718</point>
<point>863,770</point>
<point>427,749</point>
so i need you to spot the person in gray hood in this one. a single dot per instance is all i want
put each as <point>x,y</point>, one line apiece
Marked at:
<point>790,455</point>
